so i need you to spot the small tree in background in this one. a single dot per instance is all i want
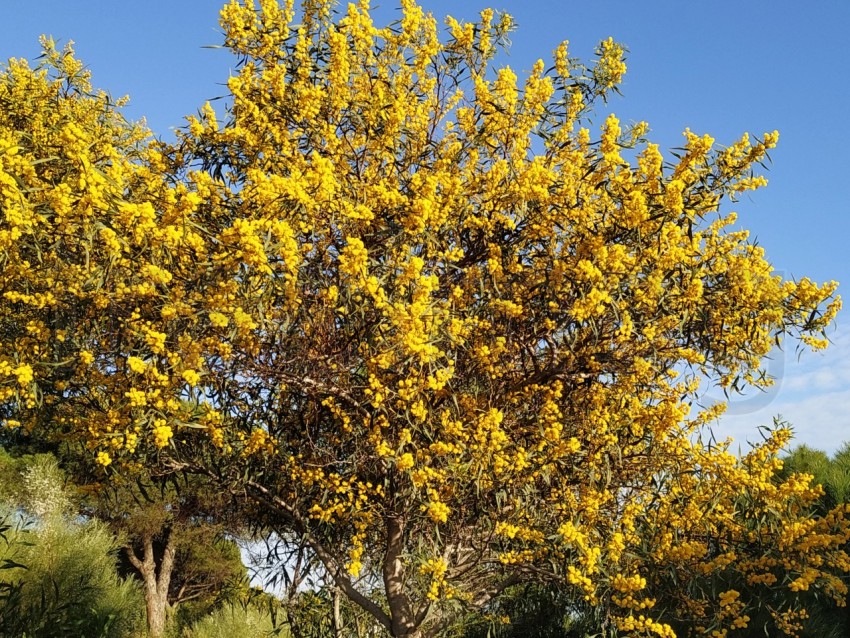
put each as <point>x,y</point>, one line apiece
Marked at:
<point>175,543</point>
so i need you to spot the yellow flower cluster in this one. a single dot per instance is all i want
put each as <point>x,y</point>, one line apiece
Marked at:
<point>436,569</point>
<point>162,433</point>
<point>643,624</point>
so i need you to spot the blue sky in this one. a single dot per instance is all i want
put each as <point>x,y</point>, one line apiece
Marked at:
<point>722,68</point>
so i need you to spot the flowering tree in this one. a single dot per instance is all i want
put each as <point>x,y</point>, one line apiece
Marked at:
<point>444,331</point>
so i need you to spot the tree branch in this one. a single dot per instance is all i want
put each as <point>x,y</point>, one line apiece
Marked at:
<point>331,563</point>
<point>134,559</point>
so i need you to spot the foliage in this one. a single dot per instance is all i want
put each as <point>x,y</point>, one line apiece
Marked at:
<point>234,620</point>
<point>833,474</point>
<point>71,585</point>
<point>533,611</point>
<point>34,484</point>
<point>10,479</point>
<point>61,575</point>
<point>209,569</point>
<point>67,583</point>
<point>151,519</point>
<point>441,330</point>
<point>11,623</point>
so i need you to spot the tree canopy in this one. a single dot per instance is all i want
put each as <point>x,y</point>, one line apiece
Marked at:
<point>448,331</point>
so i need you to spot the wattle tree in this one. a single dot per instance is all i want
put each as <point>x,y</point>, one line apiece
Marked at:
<point>437,325</point>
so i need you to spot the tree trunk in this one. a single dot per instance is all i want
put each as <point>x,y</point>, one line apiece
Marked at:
<point>404,623</point>
<point>157,610</point>
<point>156,580</point>
<point>337,615</point>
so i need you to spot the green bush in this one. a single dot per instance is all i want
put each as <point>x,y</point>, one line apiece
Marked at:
<point>10,587</point>
<point>58,576</point>
<point>68,584</point>
<point>235,620</point>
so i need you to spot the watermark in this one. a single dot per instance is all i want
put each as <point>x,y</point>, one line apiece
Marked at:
<point>751,399</point>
